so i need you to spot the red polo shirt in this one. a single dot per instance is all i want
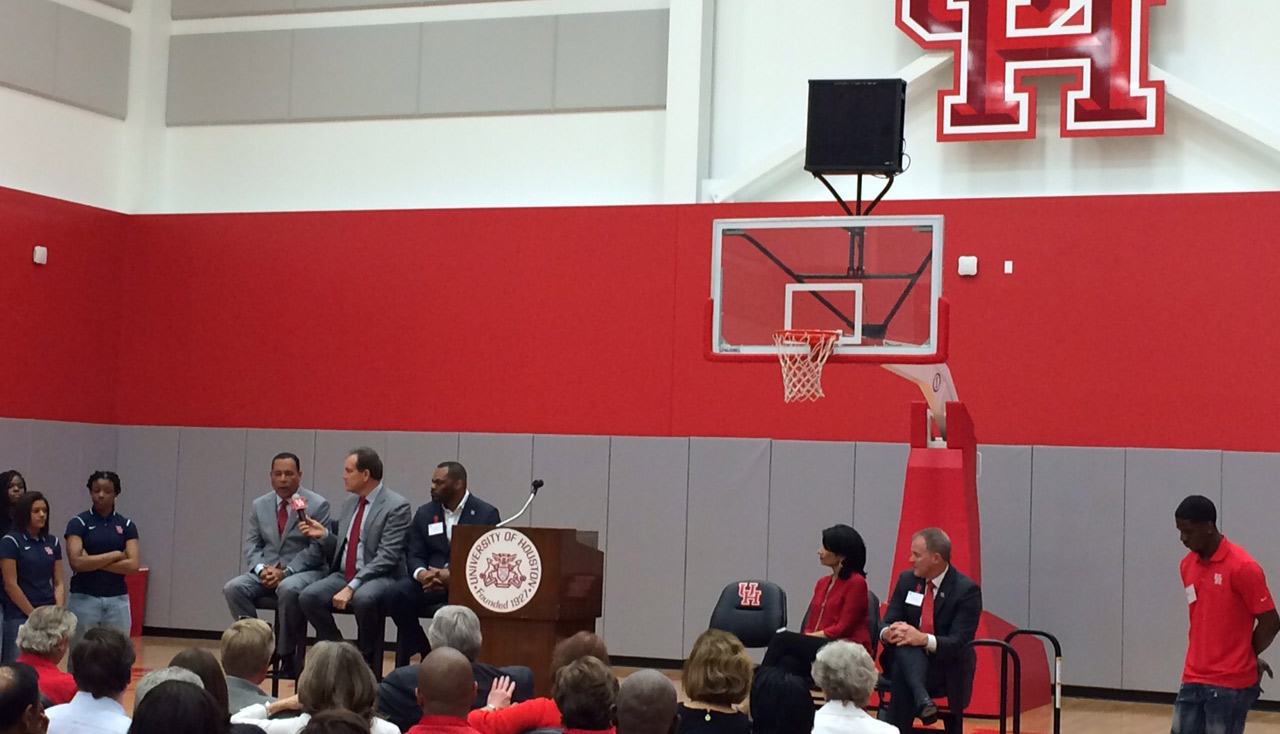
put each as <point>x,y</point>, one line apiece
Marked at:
<point>1224,594</point>
<point>60,687</point>
<point>442,725</point>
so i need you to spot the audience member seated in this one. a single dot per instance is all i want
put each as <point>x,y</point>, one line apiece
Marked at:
<point>178,707</point>
<point>716,677</point>
<point>335,676</point>
<point>847,675</point>
<point>838,609</point>
<point>455,627</point>
<point>43,641</point>
<point>102,665</point>
<point>586,692</point>
<point>446,688</point>
<point>212,679</point>
<point>21,710</point>
<point>152,680</point>
<point>925,640</point>
<point>246,658</point>
<point>500,716</point>
<point>647,704</point>
<point>336,722</point>
<point>780,703</point>
<point>204,664</point>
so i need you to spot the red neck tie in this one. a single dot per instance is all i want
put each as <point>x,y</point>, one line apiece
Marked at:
<point>926,611</point>
<point>282,515</point>
<point>354,542</point>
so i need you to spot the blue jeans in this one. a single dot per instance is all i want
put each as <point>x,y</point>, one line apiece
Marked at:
<point>1204,709</point>
<point>95,611</point>
<point>9,642</point>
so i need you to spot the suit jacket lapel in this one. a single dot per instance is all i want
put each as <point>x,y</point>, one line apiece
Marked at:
<point>942,603</point>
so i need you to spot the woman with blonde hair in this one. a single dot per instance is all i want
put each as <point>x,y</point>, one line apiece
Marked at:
<point>716,678</point>
<point>334,677</point>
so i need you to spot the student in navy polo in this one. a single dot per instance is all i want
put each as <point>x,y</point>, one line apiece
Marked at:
<point>102,546</point>
<point>31,565</point>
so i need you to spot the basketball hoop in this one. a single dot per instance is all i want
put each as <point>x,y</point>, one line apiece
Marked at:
<point>802,352</point>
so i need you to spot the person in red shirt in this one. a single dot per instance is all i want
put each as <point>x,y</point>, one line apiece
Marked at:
<point>446,688</point>
<point>838,610</point>
<point>42,641</point>
<point>1233,619</point>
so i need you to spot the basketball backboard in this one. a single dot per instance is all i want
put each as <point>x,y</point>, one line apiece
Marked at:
<point>878,280</point>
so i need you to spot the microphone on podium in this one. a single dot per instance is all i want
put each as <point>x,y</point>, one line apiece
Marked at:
<point>533,492</point>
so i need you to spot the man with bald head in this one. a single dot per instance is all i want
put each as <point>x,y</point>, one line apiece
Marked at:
<point>446,688</point>
<point>646,704</point>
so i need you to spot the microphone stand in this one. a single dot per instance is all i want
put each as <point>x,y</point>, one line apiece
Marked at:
<point>535,486</point>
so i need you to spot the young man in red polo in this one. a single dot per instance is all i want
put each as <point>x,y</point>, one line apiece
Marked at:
<point>1233,619</point>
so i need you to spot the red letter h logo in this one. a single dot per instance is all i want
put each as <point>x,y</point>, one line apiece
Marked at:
<point>749,593</point>
<point>999,43</point>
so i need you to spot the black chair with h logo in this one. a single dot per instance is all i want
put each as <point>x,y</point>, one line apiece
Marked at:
<point>752,610</point>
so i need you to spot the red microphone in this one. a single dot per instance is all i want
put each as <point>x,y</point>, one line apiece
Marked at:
<point>299,506</point>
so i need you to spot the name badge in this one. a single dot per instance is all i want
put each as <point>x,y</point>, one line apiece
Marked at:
<point>435,528</point>
<point>915,598</point>
<point>1191,594</point>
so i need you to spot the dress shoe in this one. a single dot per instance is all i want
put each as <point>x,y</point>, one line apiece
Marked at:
<point>928,713</point>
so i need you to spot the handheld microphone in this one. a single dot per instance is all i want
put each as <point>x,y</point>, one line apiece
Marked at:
<point>299,506</point>
<point>533,492</point>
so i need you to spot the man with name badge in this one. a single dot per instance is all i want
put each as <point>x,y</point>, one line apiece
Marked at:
<point>430,537</point>
<point>273,541</point>
<point>932,615</point>
<point>1233,619</point>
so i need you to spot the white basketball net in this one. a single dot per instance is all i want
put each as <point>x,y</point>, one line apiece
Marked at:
<point>802,352</point>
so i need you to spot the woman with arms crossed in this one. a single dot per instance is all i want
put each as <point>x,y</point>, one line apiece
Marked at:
<point>102,546</point>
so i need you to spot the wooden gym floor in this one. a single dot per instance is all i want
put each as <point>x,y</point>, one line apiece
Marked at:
<point>1079,716</point>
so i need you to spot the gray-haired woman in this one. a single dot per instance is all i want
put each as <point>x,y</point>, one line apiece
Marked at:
<point>846,674</point>
<point>334,677</point>
<point>42,643</point>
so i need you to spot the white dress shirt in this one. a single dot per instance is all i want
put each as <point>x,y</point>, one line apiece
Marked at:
<point>257,715</point>
<point>85,714</point>
<point>364,523</point>
<point>842,717</point>
<point>451,517</point>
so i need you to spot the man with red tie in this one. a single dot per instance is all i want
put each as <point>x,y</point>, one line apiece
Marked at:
<point>932,615</point>
<point>364,554</point>
<point>273,541</point>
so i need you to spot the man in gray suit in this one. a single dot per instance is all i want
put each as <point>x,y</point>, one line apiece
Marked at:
<point>273,542</point>
<point>364,555</point>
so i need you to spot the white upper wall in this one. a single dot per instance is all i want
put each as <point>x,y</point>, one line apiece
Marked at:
<point>741,128</point>
<point>766,52</point>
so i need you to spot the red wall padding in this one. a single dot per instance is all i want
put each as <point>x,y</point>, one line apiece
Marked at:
<point>1129,321</point>
<point>60,322</point>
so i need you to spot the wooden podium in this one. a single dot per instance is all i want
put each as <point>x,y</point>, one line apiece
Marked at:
<point>531,588</point>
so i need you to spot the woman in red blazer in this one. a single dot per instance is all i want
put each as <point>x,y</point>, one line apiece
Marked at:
<point>838,610</point>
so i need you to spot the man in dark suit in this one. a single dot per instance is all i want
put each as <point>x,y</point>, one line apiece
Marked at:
<point>363,556</point>
<point>932,615</point>
<point>429,538</point>
<point>273,540</point>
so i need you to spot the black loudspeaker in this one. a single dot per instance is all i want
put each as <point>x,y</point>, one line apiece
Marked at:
<point>855,126</point>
